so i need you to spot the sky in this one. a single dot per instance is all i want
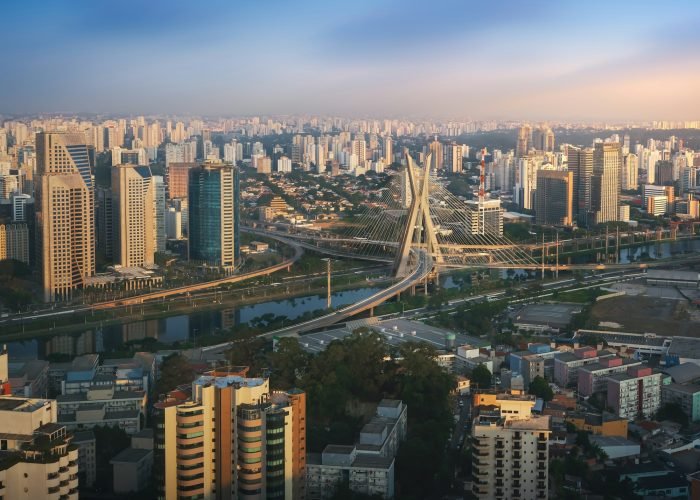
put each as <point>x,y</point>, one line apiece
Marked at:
<point>589,60</point>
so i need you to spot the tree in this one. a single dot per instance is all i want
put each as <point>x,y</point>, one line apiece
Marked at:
<point>174,371</point>
<point>540,388</point>
<point>480,377</point>
<point>288,363</point>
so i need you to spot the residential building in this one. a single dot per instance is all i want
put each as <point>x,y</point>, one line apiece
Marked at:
<point>30,378</point>
<point>102,405</point>
<point>65,213</point>
<point>231,437</point>
<point>593,378</point>
<point>284,165</point>
<point>636,393</point>
<point>213,216</point>
<point>87,457</point>
<point>38,459</point>
<point>630,172</point>
<point>368,465</point>
<point>687,396</point>
<point>524,141</point>
<point>554,198</point>
<point>567,364</point>
<point>510,450</point>
<point>133,206</point>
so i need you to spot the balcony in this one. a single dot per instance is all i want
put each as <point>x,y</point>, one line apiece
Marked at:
<point>541,466</point>
<point>516,493</point>
<point>541,446</point>
<point>517,446</point>
<point>541,494</point>
<point>480,443</point>
<point>542,475</point>
<point>541,456</point>
<point>541,485</point>
<point>499,464</point>
<point>478,491</point>
<point>516,484</point>
<point>480,453</point>
<point>499,483</point>
<point>499,454</point>
<point>517,455</point>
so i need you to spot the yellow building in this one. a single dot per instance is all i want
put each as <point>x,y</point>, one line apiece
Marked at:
<point>133,206</point>
<point>231,438</point>
<point>600,425</point>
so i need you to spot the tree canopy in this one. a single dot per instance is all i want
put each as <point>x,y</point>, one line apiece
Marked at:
<point>540,388</point>
<point>480,377</point>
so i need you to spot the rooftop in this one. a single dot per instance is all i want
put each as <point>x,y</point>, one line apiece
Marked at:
<point>22,404</point>
<point>395,331</point>
<point>684,373</point>
<point>228,380</point>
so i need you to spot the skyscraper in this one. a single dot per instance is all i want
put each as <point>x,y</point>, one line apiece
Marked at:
<point>213,215</point>
<point>65,215</point>
<point>524,141</point>
<point>605,182</point>
<point>436,150</point>
<point>543,139</point>
<point>581,166</point>
<point>133,194</point>
<point>554,198</point>
<point>159,213</point>
<point>388,150</point>
<point>630,172</point>
<point>232,437</point>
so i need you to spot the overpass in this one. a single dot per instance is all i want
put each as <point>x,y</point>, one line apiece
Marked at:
<point>140,299</point>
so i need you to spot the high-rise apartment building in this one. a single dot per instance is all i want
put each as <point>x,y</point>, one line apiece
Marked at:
<point>437,155</point>
<point>38,458</point>
<point>543,139</point>
<point>456,157</point>
<point>14,242</point>
<point>133,210</point>
<point>284,165</point>
<point>65,213</point>
<point>635,394</point>
<point>231,437</point>
<point>554,198</point>
<point>388,150</point>
<point>510,448</point>
<point>524,141</point>
<point>213,215</point>
<point>630,172</point>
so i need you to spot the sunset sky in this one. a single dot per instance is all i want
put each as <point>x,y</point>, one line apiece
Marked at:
<point>585,60</point>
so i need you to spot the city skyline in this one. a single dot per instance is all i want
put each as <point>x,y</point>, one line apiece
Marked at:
<point>506,60</point>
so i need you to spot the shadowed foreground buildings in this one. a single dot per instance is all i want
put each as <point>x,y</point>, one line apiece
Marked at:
<point>37,459</point>
<point>231,437</point>
<point>367,466</point>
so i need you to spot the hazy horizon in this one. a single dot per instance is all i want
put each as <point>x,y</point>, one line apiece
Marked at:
<point>628,61</point>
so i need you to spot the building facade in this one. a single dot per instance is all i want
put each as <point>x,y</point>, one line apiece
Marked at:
<point>554,198</point>
<point>213,215</point>
<point>231,437</point>
<point>133,193</point>
<point>636,393</point>
<point>510,449</point>
<point>65,213</point>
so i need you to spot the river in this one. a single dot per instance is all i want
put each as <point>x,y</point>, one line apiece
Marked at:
<point>179,328</point>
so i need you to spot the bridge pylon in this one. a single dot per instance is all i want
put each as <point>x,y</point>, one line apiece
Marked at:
<point>419,230</point>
